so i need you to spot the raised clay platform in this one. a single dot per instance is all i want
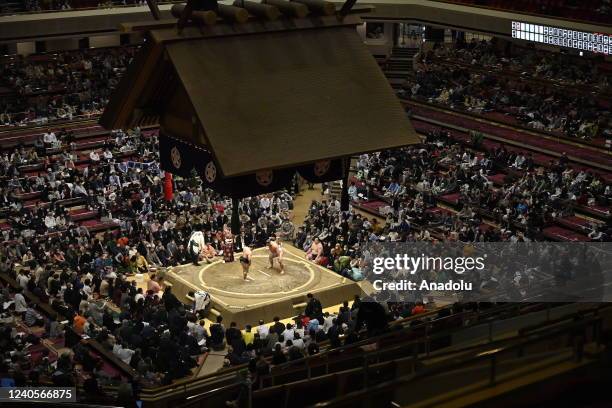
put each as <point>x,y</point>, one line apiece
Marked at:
<point>266,293</point>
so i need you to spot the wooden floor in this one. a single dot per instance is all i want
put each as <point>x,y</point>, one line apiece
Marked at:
<point>302,202</point>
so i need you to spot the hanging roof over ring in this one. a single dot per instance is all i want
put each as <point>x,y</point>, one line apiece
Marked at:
<point>263,94</point>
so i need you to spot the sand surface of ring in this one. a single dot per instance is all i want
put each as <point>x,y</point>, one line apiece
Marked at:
<point>227,277</point>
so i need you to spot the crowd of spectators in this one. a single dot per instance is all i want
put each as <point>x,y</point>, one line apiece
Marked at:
<point>83,275</point>
<point>41,5</point>
<point>592,10</point>
<point>285,342</point>
<point>446,75</point>
<point>77,272</point>
<point>61,86</point>
<point>413,178</point>
<point>35,6</point>
<point>331,237</point>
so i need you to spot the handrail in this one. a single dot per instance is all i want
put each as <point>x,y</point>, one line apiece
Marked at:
<point>214,391</point>
<point>490,356</point>
<point>49,124</point>
<point>154,393</point>
<point>499,344</point>
<point>392,333</point>
<point>526,331</point>
<point>426,340</point>
<point>415,358</point>
<point>240,367</point>
<point>17,131</point>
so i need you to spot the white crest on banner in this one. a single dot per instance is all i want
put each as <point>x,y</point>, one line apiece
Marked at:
<point>175,157</point>
<point>210,172</point>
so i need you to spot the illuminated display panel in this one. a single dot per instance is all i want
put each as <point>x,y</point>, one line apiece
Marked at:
<point>561,37</point>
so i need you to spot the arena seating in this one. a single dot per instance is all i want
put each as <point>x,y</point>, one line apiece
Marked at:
<point>459,184</point>
<point>479,80</point>
<point>34,6</point>
<point>589,10</point>
<point>111,365</point>
<point>565,231</point>
<point>87,138</point>
<point>498,130</point>
<point>60,87</point>
<point>548,149</point>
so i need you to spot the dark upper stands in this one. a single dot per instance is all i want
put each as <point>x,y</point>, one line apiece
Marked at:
<point>588,10</point>
<point>38,6</point>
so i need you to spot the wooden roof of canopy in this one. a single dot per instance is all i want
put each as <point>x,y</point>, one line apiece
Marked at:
<point>265,95</point>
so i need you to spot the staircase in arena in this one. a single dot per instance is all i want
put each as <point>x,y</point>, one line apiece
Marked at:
<point>335,189</point>
<point>399,65</point>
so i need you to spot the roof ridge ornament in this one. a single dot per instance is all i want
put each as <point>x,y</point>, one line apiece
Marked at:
<point>206,12</point>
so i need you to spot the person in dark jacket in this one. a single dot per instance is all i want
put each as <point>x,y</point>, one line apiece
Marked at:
<point>314,309</point>
<point>217,334</point>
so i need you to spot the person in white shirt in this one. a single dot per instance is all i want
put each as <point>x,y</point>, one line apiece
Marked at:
<point>139,295</point>
<point>94,156</point>
<point>200,302</point>
<point>79,190</point>
<point>289,332</point>
<point>22,279</point>
<point>328,321</point>
<point>87,288</point>
<point>334,205</point>
<point>281,341</point>
<point>124,354</point>
<point>264,203</point>
<point>50,222</point>
<point>20,303</point>
<point>60,222</point>
<point>114,180</point>
<point>595,235</point>
<point>298,342</point>
<point>50,139</point>
<point>263,330</point>
<point>519,161</point>
<point>352,191</point>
